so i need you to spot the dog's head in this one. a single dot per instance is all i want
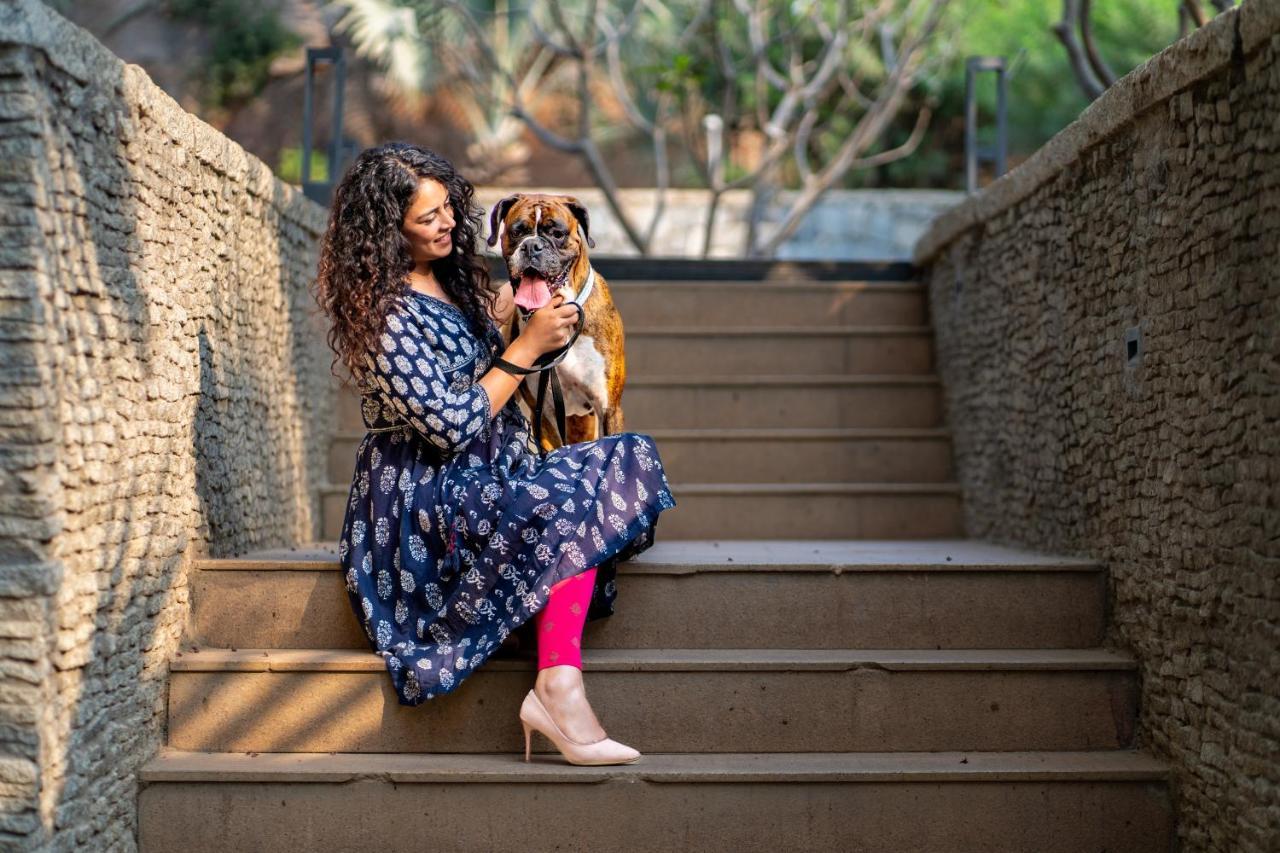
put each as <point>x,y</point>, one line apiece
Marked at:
<point>540,243</point>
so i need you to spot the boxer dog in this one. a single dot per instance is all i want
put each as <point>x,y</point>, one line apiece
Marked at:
<point>545,254</point>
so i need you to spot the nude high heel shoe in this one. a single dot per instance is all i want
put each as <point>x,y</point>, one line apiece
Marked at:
<point>534,715</point>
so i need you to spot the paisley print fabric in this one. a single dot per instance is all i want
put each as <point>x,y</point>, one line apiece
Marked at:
<point>455,528</point>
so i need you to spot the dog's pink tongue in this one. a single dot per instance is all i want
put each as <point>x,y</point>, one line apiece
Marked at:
<point>534,292</point>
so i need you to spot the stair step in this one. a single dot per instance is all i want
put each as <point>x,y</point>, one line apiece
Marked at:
<point>760,401</point>
<point>694,700</point>
<point>177,765</point>
<point>814,511</point>
<point>749,270</point>
<point>778,511</point>
<point>770,455</point>
<point>943,802</point>
<point>780,349</point>
<point>678,303</point>
<point>839,594</point>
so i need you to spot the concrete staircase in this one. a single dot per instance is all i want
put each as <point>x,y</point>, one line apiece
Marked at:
<point>787,410</point>
<point>810,657</point>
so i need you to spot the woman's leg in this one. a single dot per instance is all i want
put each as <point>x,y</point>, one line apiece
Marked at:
<point>559,684</point>
<point>560,622</point>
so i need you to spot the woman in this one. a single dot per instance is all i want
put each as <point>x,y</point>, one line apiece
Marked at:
<point>456,531</point>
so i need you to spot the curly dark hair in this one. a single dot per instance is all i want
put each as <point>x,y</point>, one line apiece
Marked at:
<point>365,260</point>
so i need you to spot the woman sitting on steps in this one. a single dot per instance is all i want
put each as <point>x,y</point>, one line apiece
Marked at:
<point>456,531</point>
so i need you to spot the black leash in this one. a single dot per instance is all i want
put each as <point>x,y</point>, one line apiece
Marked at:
<point>544,366</point>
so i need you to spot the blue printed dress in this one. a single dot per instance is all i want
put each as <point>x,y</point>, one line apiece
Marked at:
<point>455,529</point>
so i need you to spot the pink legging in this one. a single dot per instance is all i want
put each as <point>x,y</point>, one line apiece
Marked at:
<point>560,622</point>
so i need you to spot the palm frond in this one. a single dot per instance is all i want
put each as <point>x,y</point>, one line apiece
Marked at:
<point>387,33</point>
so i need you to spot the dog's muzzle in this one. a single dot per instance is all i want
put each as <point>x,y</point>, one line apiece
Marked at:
<point>537,271</point>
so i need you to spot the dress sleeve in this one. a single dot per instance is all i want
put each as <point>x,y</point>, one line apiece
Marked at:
<point>411,375</point>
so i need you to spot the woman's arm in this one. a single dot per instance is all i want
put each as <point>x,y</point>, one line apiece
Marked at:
<point>409,372</point>
<point>499,384</point>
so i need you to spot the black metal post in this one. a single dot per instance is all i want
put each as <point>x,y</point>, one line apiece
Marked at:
<point>339,149</point>
<point>973,153</point>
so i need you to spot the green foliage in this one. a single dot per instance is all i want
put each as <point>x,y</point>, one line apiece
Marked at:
<point>682,72</point>
<point>1043,96</point>
<point>289,166</point>
<point>246,37</point>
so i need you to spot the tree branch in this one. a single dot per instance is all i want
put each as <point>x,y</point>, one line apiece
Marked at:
<point>1065,31</point>
<point>869,128</point>
<point>1100,67</point>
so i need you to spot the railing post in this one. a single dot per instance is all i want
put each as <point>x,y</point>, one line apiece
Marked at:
<point>339,149</point>
<point>972,152</point>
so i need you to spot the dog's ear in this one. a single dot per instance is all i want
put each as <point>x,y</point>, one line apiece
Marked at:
<point>499,213</point>
<point>579,212</point>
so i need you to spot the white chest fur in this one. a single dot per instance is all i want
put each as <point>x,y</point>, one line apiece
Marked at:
<point>582,380</point>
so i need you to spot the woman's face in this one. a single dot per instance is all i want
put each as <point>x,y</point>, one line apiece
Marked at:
<point>428,219</point>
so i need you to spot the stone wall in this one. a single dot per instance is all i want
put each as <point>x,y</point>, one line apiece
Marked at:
<point>164,394</point>
<point>1108,332</point>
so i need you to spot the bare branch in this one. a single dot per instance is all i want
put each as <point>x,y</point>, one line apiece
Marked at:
<point>755,32</point>
<point>544,38</point>
<point>557,15</point>
<point>604,180</point>
<point>537,69</point>
<point>547,137</point>
<point>870,128</point>
<point>906,149</point>
<point>1195,12</point>
<point>1065,31</point>
<point>613,62</point>
<point>800,90</point>
<point>850,87</point>
<point>800,149</point>
<point>663,171</point>
<point>617,75</point>
<point>1100,67</point>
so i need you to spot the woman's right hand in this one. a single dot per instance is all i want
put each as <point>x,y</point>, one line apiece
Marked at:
<point>551,326</point>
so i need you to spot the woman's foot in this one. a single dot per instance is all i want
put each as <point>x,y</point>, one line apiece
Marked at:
<point>561,690</point>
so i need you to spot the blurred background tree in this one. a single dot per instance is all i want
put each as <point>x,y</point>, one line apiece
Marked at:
<point>795,93</point>
<point>1043,95</point>
<point>214,55</point>
<point>247,37</point>
<point>239,41</point>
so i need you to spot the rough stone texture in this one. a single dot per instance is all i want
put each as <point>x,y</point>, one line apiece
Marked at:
<point>165,396</point>
<point>1157,209</point>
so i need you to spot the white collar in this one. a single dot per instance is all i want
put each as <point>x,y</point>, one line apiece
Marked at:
<point>581,298</point>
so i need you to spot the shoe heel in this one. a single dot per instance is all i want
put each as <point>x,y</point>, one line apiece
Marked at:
<point>533,715</point>
<point>528,733</point>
